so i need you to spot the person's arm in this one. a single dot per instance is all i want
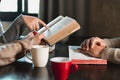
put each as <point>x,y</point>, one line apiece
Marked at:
<point>8,53</point>
<point>110,52</point>
<point>114,42</point>
<point>22,25</point>
<point>12,51</point>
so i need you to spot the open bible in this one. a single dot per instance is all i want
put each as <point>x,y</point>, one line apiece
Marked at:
<point>60,28</point>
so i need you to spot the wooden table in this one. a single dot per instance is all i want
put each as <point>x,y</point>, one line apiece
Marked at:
<point>26,71</point>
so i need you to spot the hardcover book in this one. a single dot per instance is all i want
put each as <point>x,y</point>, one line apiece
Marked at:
<point>60,28</point>
<point>81,58</point>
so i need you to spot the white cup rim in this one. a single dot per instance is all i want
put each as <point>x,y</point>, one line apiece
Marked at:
<point>38,46</point>
<point>60,59</point>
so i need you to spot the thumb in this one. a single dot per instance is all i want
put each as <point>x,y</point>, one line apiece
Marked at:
<point>37,39</point>
<point>41,36</point>
<point>82,50</point>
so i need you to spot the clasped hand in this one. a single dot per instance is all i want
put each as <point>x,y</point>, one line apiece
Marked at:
<point>93,46</point>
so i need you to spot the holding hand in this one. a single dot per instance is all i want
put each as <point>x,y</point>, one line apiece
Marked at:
<point>93,46</point>
<point>35,38</point>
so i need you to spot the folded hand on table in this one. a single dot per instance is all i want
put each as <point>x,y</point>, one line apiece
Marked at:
<point>93,46</point>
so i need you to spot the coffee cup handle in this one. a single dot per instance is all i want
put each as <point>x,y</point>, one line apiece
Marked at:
<point>26,51</point>
<point>73,68</point>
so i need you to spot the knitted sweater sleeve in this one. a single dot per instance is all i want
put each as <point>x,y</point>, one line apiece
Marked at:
<point>112,52</point>
<point>12,51</point>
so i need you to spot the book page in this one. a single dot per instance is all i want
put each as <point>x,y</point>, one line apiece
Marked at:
<point>50,24</point>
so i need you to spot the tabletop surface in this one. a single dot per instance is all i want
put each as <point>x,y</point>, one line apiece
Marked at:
<point>21,70</point>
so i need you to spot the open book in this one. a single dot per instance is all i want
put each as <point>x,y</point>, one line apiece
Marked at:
<point>60,28</point>
<point>81,58</point>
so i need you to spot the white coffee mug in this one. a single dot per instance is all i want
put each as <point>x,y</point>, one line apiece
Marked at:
<point>40,55</point>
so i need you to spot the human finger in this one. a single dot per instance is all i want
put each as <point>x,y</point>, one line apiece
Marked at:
<point>33,27</point>
<point>82,45</point>
<point>41,22</point>
<point>41,36</point>
<point>94,41</point>
<point>82,51</point>
<point>37,26</point>
<point>87,43</point>
<point>97,41</point>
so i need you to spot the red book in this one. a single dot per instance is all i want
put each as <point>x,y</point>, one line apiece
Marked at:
<point>81,58</point>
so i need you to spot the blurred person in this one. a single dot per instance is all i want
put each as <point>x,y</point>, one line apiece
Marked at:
<point>11,46</point>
